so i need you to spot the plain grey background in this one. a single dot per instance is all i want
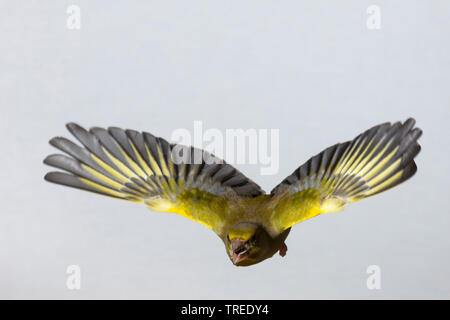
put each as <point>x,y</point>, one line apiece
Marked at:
<point>311,69</point>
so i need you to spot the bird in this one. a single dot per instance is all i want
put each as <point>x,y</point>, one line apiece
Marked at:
<point>253,226</point>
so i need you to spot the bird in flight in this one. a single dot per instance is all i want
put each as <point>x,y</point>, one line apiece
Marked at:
<point>139,167</point>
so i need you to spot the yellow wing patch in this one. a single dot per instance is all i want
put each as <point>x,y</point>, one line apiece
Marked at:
<point>291,209</point>
<point>200,206</point>
<point>376,160</point>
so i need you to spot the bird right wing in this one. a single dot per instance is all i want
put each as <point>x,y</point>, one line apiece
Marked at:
<point>140,167</point>
<point>375,161</point>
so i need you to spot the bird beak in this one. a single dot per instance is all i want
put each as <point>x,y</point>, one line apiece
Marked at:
<point>239,250</point>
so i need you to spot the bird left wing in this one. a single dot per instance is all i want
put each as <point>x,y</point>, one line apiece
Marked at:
<point>140,167</point>
<point>376,160</point>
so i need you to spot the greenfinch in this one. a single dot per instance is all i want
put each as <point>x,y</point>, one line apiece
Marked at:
<point>253,225</point>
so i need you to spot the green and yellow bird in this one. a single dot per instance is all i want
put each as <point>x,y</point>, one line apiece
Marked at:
<point>140,167</point>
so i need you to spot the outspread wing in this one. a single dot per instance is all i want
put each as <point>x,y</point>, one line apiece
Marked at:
<point>375,161</point>
<point>140,167</point>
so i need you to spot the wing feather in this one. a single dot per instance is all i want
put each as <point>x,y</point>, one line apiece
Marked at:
<point>140,167</point>
<point>375,161</point>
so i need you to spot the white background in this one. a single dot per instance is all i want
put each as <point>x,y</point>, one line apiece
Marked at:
<point>311,69</point>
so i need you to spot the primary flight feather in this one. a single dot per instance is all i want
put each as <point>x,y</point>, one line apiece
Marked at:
<point>140,167</point>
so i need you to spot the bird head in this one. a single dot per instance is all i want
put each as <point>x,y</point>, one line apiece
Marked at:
<point>246,244</point>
